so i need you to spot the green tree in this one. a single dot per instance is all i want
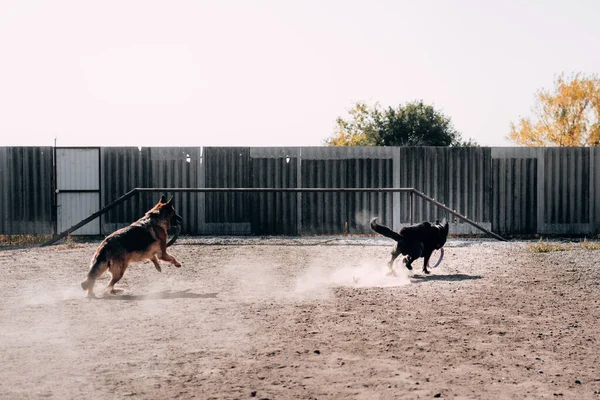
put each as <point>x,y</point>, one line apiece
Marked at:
<point>412,124</point>
<point>567,116</point>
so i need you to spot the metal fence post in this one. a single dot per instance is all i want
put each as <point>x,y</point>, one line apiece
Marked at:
<point>412,202</point>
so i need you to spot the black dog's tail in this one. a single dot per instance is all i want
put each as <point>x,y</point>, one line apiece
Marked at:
<point>385,231</point>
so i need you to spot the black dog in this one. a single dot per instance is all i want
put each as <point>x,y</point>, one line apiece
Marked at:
<point>414,241</point>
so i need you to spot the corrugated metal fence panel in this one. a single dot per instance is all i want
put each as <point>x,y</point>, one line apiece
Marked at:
<point>227,167</point>
<point>178,167</point>
<point>567,188</point>
<point>361,207</point>
<point>461,178</point>
<point>26,192</point>
<point>470,182</point>
<point>328,213</point>
<point>122,170</point>
<point>191,205</point>
<point>313,203</point>
<point>5,190</point>
<point>457,177</point>
<point>275,167</point>
<point>333,213</point>
<point>514,195</point>
<point>345,153</point>
<point>274,213</point>
<point>125,168</point>
<point>595,187</point>
<point>425,169</point>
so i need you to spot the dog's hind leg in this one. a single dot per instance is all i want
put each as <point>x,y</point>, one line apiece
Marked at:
<point>170,258</point>
<point>156,263</point>
<point>391,262</point>
<point>395,253</point>
<point>98,268</point>
<point>117,270</point>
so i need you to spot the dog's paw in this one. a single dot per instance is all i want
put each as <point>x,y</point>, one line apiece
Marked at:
<point>391,273</point>
<point>158,268</point>
<point>116,291</point>
<point>177,264</point>
<point>426,272</point>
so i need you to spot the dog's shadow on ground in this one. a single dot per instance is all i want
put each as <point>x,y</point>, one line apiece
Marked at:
<point>163,295</point>
<point>445,278</point>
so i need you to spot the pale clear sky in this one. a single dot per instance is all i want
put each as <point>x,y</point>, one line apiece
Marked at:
<point>275,73</point>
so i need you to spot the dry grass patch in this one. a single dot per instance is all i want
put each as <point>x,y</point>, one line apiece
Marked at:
<point>587,245</point>
<point>546,247</point>
<point>22,240</point>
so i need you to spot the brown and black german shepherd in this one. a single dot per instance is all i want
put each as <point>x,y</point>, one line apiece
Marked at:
<point>414,241</point>
<point>145,239</point>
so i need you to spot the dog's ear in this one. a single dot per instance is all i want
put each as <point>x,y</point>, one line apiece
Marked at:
<point>444,222</point>
<point>170,200</point>
<point>163,199</point>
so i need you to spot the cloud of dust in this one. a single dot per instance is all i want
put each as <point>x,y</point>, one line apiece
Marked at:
<point>363,218</point>
<point>255,280</point>
<point>365,275</point>
<point>41,334</point>
<point>276,282</point>
<point>36,295</point>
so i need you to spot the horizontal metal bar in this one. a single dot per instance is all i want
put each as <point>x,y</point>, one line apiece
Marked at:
<point>78,148</point>
<point>289,190</point>
<point>292,190</point>
<point>78,191</point>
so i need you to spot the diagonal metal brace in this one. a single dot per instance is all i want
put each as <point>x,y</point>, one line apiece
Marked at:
<point>467,220</point>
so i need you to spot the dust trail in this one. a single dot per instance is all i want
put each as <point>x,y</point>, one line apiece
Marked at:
<point>246,280</point>
<point>39,294</point>
<point>363,218</point>
<point>365,275</point>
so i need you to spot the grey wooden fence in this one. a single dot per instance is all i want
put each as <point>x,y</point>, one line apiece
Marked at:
<point>508,190</point>
<point>26,190</point>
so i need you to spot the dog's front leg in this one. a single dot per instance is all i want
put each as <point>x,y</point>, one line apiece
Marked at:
<point>170,258</point>
<point>408,260</point>
<point>426,263</point>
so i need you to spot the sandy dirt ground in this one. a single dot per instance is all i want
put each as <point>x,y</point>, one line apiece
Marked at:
<point>305,318</point>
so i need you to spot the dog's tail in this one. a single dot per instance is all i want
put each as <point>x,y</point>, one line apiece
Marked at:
<point>385,231</point>
<point>100,264</point>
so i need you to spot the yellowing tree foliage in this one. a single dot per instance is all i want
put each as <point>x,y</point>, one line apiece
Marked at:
<point>567,116</point>
<point>358,130</point>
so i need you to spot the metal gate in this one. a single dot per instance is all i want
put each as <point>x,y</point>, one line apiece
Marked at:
<point>77,188</point>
